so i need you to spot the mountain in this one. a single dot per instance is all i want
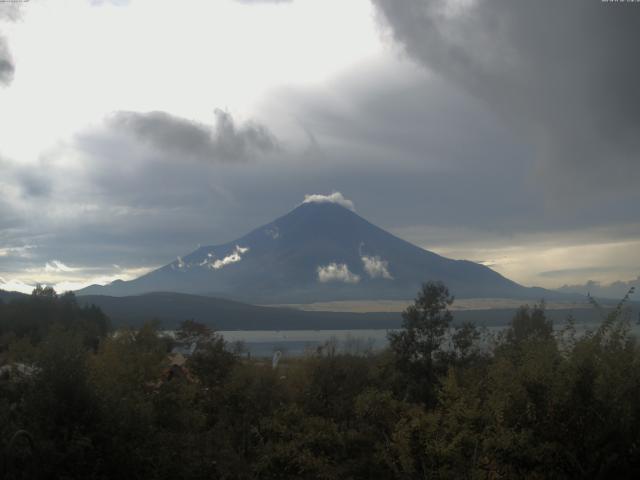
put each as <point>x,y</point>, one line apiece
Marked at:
<point>319,251</point>
<point>7,296</point>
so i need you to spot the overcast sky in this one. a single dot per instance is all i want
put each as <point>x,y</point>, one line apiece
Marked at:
<point>504,132</point>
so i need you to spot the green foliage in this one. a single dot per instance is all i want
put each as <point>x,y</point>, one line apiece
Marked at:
<point>212,362</point>
<point>416,345</point>
<point>440,402</point>
<point>191,331</point>
<point>34,316</point>
<point>424,325</point>
<point>529,323</point>
<point>61,407</point>
<point>299,446</point>
<point>333,381</point>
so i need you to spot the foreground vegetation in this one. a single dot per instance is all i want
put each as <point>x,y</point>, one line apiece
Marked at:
<point>440,402</point>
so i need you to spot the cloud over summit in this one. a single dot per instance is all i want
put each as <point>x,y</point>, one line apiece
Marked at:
<point>335,197</point>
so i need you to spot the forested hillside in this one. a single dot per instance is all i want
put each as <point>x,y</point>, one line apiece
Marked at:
<point>78,401</point>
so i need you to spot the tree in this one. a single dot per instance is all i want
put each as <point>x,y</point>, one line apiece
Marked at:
<point>191,332</point>
<point>61,409</point>
<point>424,326</point>
<point>211,361</point>
<point>32,317</point>
<point>44,292</point>
<point>464,342</point>
<point>530,323</point>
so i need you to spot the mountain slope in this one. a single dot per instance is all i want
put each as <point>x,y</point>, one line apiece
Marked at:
<point>317,252</point>
<point>7,296</point>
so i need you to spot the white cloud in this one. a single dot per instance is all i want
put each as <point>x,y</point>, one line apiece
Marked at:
<point>335,197</point>
<point>56,266</point>
<point>337,272</point>
<point>20,252</point>
<point>235,257</point>
<point>70,279</point>
<point>376,267</point>
<point>13,285</point>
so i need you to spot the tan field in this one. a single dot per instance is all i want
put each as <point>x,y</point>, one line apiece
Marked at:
<point>367,306</point>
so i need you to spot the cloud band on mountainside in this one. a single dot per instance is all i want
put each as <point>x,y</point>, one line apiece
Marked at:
<point>336,272</point>
<point>376,267</point>
<point>234,257</point>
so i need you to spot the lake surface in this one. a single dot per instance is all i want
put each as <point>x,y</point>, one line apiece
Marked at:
<point>263,343</point>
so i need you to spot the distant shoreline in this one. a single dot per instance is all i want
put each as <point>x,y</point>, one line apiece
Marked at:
<point>374,306</point>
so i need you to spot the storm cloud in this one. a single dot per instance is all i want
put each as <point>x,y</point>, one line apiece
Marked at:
<point>224,142</point>
<point>500,132</point>
<point>6,63</point>
<point>564,74</point>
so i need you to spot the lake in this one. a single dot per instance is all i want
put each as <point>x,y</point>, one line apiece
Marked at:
<point>263,343</point>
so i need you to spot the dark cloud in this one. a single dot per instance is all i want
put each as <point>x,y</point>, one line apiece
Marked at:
<point>8,12</point>
<point>414,150</point>
<point>402,164</point>
<point>563,74</point>
<point>224,142</point>
<point>31,180</point>
<point>34,183</point>
<point>130,199</point>
<point>409,148</point>
<point>6,63</point>
<point>10,219</point>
